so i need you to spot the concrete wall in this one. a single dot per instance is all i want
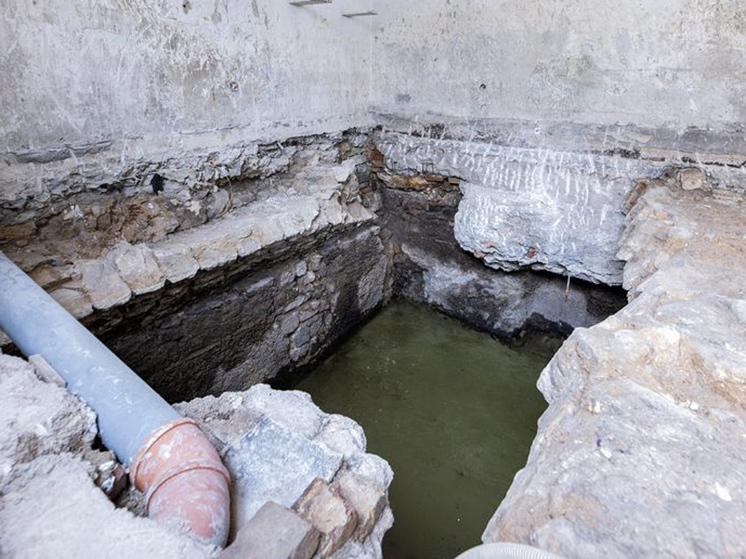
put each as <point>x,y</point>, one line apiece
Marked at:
<point>83,72</point>
<point>112,83</point>
<point>657,63</point>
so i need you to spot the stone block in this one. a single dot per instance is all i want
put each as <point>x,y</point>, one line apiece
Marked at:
<point>272,463</point>
<point>368,499</point>
<point>176,260</point>
<point>103,284</point>
<point>74,299</point>
<point>323,506</point>
<point>137,267</point>
<point>274,532</point>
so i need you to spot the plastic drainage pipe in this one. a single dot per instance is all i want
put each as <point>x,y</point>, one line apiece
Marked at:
<point>506,551</point>
<point>170,459</point>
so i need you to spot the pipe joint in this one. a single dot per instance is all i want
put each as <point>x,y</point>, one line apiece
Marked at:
<point>184,480</point>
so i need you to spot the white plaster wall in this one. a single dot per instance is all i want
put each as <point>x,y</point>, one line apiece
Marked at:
<point>652,63</point>
<point>77,72</point>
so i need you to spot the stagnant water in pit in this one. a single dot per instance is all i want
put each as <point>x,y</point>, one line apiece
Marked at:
<point>452,410</point>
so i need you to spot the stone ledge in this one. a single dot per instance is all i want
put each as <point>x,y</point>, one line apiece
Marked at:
<point>544,207</point>
<point>129,270</point>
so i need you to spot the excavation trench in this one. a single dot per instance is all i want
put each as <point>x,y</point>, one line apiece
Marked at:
<point>350,315</point>
<point>449,401</point>
<point>387,320</point>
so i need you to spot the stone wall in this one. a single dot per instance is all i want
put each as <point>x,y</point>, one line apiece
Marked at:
<point>247,322</point>
<point>420,211</point>
<point>258,273</point>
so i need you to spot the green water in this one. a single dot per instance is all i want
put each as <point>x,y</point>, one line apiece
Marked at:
<point>452,410</point>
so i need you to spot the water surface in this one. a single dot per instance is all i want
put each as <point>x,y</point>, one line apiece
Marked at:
<point>452,410</point>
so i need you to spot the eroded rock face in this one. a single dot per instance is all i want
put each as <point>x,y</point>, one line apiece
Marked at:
<point>281,448</point>
<point>640,453</point>
<point>430,267</point>
<point>38,418</point>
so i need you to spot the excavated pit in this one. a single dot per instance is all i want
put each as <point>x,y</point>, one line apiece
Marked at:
<point>274,288</point>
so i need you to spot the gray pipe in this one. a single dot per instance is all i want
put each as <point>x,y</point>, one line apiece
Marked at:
<point>128,409</point>
<point>506,551</point>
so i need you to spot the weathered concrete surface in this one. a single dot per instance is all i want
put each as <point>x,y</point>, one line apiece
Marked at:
<point>430,267</point>
<point>274,532</point>
<point>98,95</point>
<point>277,444</point>
<point>663,63</point>
<point>641,452</point>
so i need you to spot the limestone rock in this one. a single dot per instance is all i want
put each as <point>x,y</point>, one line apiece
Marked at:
<point>277,443</point>
<point>545,227</point>
<point>176,260</point>
<point>51,508</point>
<point>641,452</point>
<point>274,532</point>
<point>38,418</point>
<point>73,297</point>
<point>137,267</point>
<point>274,464</point>
<point>333,517</point>
<point>528,207</point>
<point>103,284</point>
<point>368,500</point>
